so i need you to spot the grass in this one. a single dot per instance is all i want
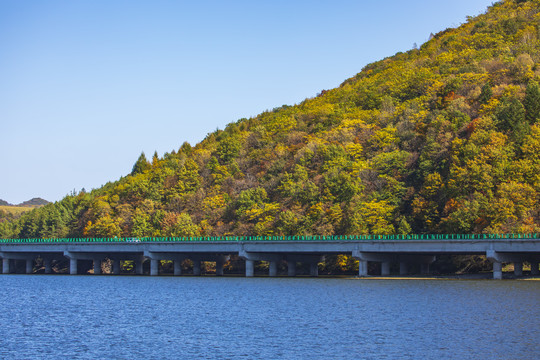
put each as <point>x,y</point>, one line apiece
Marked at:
<point>16,210</point>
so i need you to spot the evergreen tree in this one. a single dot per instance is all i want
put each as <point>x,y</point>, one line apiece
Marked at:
<point>532,102</point>
<point>141,165</point>
<point>486,93</point>
<point>510,115</point>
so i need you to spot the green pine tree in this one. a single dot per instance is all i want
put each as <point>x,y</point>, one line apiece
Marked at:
<point>141,165</point>
<point>532,102</point>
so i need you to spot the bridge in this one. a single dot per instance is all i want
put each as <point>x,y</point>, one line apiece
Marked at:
<point>384,249</point>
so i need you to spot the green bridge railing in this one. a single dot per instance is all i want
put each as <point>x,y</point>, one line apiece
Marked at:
<point>276,238</point>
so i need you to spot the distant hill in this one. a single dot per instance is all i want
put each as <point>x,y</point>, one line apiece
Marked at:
<point>9,211</point>
<point>34,202</point>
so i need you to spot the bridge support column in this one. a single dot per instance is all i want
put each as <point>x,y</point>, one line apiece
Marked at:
<point>47,263</point>
<point>403,268</point>
<point>314,269</point>
<point>5,266</point>
<point>253,256</point>
<point>534,268</point>
<point>385,268</point>
<point>497,270</point>
<point>518,268</point>
<point>219,266</point>
<point>97,266</point>
<point>116,267</point>
<point>29,266</point>
<point>177,267</point>
<point>250,268</point>
<point>154,267</point>
<point>363,257</point>
<point>272,269</point>
<point>362,268</point>
<point>139,266</point>
<point>291,268</point>
<point>197,267</point>
<point>498,258</point>
<point>73,266</point>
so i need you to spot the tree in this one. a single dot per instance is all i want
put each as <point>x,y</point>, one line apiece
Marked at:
<point>510,113</point>
<point>485,94</point>
<point>228,149</point>
<point>531,103</point>
<point>373,217</point>
<point>511,118</point>
<point>174,224</point>
<point>141,165</point>
<point>155,159</point>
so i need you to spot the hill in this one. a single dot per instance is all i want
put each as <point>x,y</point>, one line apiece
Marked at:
<point>440,139</point>
<point>10,212</point>
<point>34,202</point>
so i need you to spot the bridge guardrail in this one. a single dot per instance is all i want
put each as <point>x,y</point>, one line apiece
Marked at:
<point>276,238</point>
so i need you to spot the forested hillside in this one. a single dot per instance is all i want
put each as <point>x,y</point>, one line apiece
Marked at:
<point>440,139</point>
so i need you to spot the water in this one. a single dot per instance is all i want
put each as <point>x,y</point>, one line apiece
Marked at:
<point>121,317</point>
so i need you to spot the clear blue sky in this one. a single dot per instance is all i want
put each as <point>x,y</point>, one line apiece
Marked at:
<point>85,86</point>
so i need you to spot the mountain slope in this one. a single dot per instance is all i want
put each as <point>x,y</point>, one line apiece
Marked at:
<point>444,138</point>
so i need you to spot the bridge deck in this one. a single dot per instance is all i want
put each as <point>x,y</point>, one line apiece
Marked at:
<point>385,249</point>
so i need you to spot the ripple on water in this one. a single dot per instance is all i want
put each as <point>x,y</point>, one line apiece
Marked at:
<point>86,317</point>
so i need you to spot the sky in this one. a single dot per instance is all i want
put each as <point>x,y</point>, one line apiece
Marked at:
<point>86,86</point>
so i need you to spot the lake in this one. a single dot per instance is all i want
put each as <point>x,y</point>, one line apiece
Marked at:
<point>121,317</point>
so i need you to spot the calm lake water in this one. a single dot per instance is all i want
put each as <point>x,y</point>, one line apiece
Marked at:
<point>123,317</point>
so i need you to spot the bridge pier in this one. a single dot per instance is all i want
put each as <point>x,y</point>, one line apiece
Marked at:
<point>291,268</point>
<point>177,267</point>
<point>497,270</point>
<point>362,268</point>
<point>364,257</point>
<point>74,256</point>
<point>9,263</point>
<point>497,258</point>
<point>139,266</point>
<point>47,263</point>
<point>196,267</point>
<point>250,268</point>
<point>73,266</point>
<point>156,257</point>
<point>272,269</point>
<point>385,268</point>
<point>518,268</point>
<point>220,262</point>
<point>29,266</point>
<point>97,266</point>
<point>271,258</point>
<point>154,267</point>
<point>116,267</point>
<point>314,269</point>
<point>5,266</point>
<point>403,268</point>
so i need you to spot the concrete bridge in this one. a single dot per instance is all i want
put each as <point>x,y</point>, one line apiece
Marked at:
<point>403,250</point>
